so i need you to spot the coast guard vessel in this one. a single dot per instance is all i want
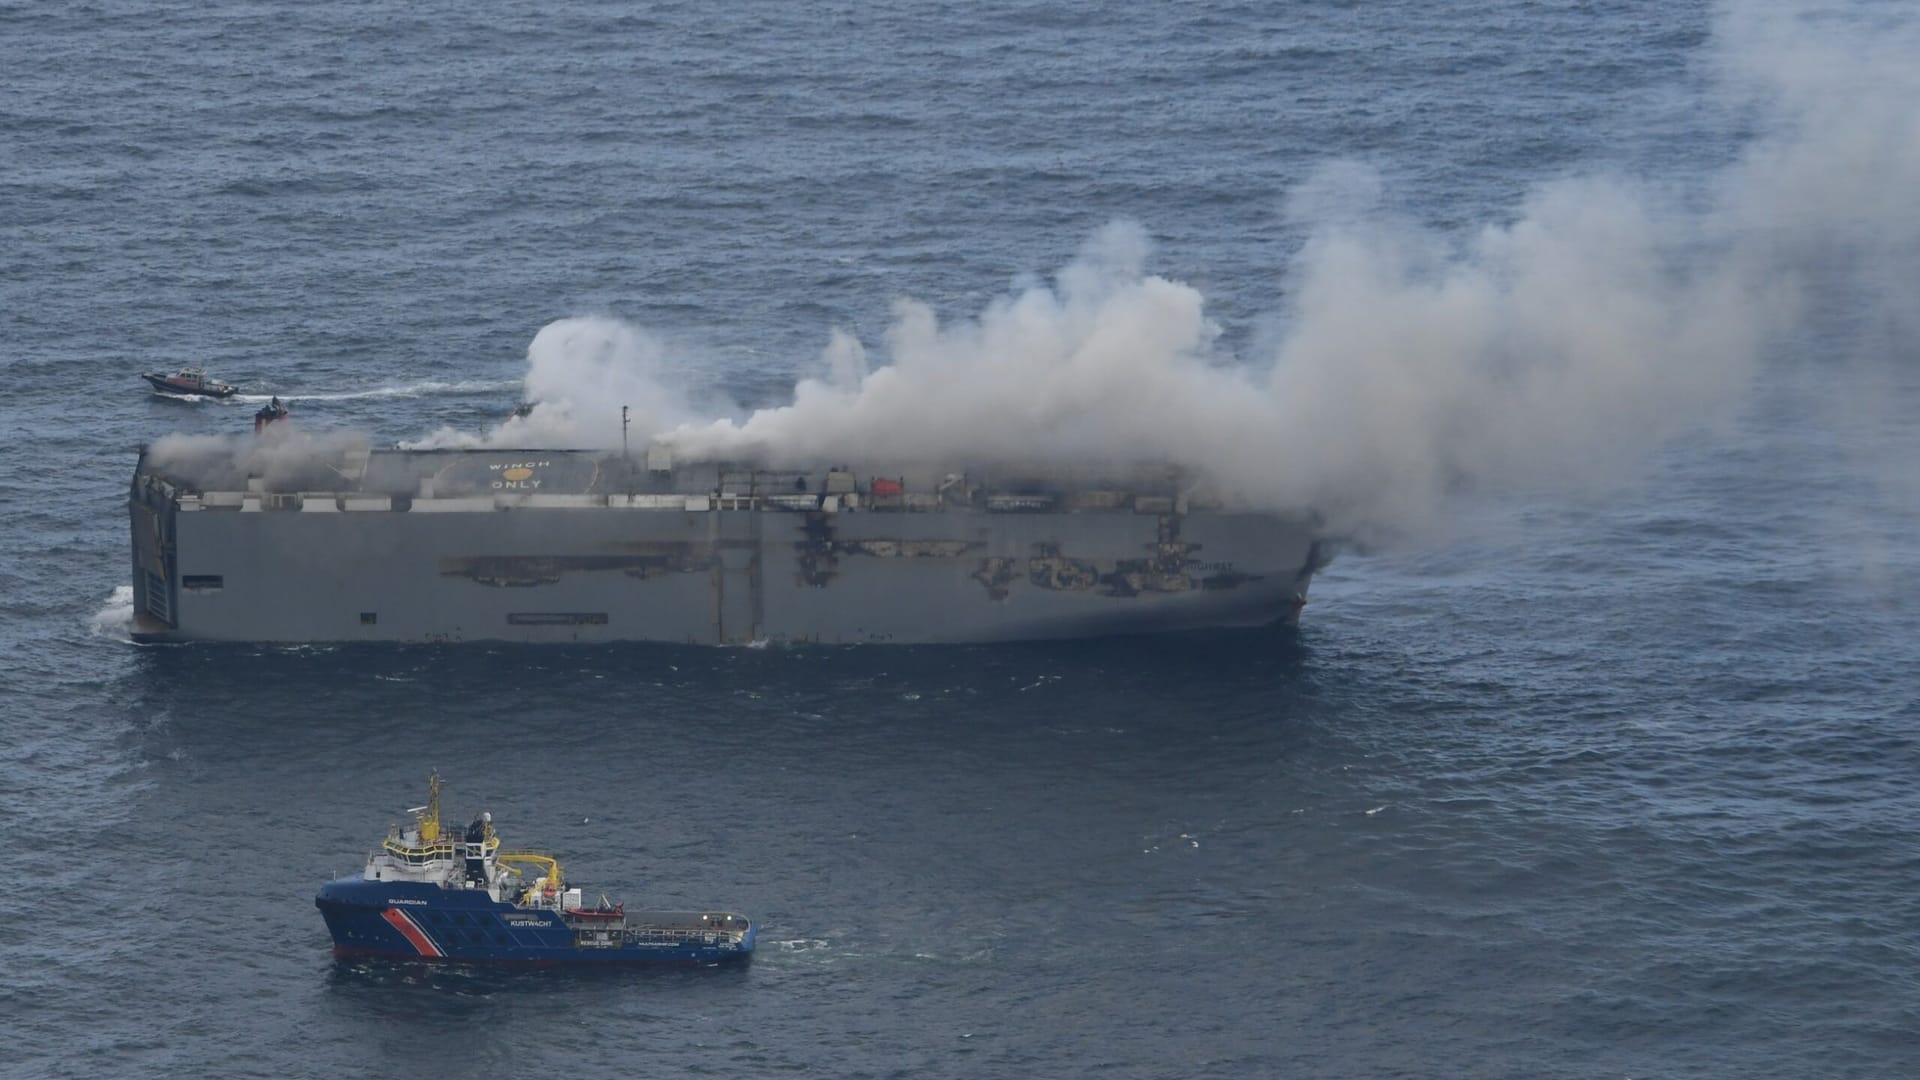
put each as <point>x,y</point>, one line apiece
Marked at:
<point>427,895</point>
<point>285,537</point>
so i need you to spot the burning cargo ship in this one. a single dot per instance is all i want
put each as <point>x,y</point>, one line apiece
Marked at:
<point>286,543</point>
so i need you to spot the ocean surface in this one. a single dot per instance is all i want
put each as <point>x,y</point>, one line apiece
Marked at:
<point>1609,781</point>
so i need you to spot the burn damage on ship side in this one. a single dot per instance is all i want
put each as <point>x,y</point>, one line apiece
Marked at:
<point>525,571</point>
<point>345,542</point>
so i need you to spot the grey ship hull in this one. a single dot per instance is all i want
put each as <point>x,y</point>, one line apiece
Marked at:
<point>709,567</point>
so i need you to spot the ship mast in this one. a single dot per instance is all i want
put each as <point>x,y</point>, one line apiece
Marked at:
<point>430,817</point>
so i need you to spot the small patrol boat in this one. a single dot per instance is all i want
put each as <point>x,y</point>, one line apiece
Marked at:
<point>190,382</point>
<point>270,413</point>
<point>430,896</point>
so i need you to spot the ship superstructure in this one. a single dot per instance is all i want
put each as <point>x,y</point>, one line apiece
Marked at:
<point>427,894</point>
<point>362,544</point>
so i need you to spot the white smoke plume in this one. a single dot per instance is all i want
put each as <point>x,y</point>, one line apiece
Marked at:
<point>285,457</point>
<point>580,371</point>
<point>1830,201</point>
<point>1554,349</point>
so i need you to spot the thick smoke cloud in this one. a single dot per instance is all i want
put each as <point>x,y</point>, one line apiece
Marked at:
<point>1828,202</point>
<point>580,371</point>
<point>1551,349</point>
<point>285,458</point>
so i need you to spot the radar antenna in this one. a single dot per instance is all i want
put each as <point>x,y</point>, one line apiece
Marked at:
<point>429,815</point>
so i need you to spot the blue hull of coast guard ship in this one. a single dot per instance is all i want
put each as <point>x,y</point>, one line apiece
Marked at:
<point>434,894</point>
<point>401,920</point>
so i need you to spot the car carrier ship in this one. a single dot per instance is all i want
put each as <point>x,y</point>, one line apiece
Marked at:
<point>428,895</point>
<point>301,540</point>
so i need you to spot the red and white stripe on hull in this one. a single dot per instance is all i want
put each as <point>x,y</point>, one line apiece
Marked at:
<point>411,930</point>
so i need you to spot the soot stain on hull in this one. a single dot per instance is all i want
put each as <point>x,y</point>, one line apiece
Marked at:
<point>526,571</point>
<point>818,552</point>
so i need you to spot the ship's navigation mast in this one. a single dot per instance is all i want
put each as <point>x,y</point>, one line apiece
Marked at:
<point>430,816</point>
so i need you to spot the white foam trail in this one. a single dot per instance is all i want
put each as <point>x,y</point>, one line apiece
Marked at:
<point>115,619</point>
<point>419,389</point>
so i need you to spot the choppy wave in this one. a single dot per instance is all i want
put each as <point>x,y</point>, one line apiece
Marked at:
<point>114,620</point>
<point>1644,769</point>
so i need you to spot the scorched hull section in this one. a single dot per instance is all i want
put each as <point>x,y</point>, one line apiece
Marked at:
<point>696,568</point>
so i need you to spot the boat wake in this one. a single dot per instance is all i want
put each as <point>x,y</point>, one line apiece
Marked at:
<point>410,390</point>
<point>114,620</point>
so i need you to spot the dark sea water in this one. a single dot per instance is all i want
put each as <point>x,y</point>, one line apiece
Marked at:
<point>1577,785</point>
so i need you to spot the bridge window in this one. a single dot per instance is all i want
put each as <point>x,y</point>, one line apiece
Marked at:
<point>202,582</point>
